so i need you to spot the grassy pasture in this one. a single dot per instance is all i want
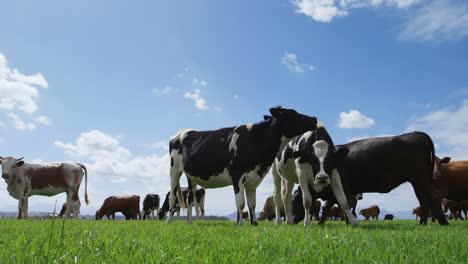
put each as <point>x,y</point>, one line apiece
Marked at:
<point>66,241</point>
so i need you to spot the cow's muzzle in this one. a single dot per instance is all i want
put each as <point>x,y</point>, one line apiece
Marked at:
<point>322,179</point>
<point>5,175</point>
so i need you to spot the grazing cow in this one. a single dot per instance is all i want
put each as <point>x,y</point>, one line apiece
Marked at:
<point>49,179</point>
<point>268,212</point>
<point>150,204</point>
<point>310,160</point>
<point>128,205</point>
<point>388,217</point>
<point>453,206</point>
<point>383,163</point>
<point>372,211</point>
<point>239,156</point>
<point>199,205</point>
<point>451,178</point>
<point>336,213</point>
<point>245,215</point>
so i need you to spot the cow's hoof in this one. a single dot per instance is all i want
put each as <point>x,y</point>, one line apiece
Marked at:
<point>254,223</point>
<point>443,222</point>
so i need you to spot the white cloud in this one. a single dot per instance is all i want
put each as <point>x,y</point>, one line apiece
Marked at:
<point>236,96</point>
<point>290,61</point>
<point>109,158</point>
<point>20,124</point>
<point>447,126</point>
<point>180,75</point>
<point>43,120</point>
<point>312,68</point>
<point>164,145</point>
<point>438,21</point>
<point>18,90</point>
<point>2,124</point>
<point>354,119</point>
<point>200,83</point>
<point>164,91</point>
<point>319,10</point>
<point>200,102</point>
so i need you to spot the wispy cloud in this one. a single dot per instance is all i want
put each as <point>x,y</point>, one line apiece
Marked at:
<point>290,61</point>
<point>43,120</point>
<point>354,119</point>
<point>20,124</point>
<point>200,102</point>
<point>438,21</point>
<point>166,90</point>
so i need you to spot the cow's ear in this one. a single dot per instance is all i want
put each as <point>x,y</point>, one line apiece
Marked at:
<point>19,163</point>
<point>267,117</point>
<point>276,112</point>
<point>341,153</point>
<point>445,160</point>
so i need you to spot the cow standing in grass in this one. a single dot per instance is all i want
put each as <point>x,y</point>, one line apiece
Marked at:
<point>198,203</point>
<point>383,163</point>
<point>239,156</point>
<point>310,160</point>
<point>150,204</point>
<point>128,205</point>
<point>47,179</point>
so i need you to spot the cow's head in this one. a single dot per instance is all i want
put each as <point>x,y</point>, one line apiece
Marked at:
<point>262,216</point>
<point>292,123</point>
<point>361,212</point>
<point>99,215</point>
<point>437,165</point>
<point>323,159</point>
<point>415,210</point>
<point>9,166</point>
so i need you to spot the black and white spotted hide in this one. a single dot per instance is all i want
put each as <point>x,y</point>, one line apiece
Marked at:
<point>239,156</point>
<point>310,160</point>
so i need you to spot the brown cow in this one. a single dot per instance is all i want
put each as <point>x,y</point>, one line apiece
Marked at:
<point>336,213</point>
<point>268,212</point>
<point>245,215</point>
<point>372,211</point>
<point>417,212</point>
<point>315,210</point>
<point>463,208</point>
<point>25,179</point>
<point>453,206</point>
<point>451,178</point>
<point>128,205</point>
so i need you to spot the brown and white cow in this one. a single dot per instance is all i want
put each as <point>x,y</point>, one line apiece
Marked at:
<point>128,205</point>
<point>268,212</point>
<point>463,208</point>
<point>451,178</point>
<point>49,179</point>
<point>336,213</point>
<point>245,215</point>
<point>372,211</point>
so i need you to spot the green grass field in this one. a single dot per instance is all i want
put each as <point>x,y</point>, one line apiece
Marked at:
<point>400,241</point>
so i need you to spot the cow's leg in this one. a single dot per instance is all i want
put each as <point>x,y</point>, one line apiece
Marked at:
<point>251,194</point>
<point>306,199</point>
<point>191,200</point>
<point>286,195</point>
<point>240,200</point>
<point>68,210</point>
<point>202,207</point>
<point>337,189</point>
<point>326,211</point>
<point>74,204</point>
<point>23,207</point>
<point>277,193</point>
<point>175,176</point>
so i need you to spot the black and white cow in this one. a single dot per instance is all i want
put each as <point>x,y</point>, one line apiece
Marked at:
<point>310,160</point>
<point>240,156</point>
<point>198,203</point>
<point>150,204</point>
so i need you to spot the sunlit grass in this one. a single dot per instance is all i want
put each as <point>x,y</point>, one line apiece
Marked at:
<point>400,241</point>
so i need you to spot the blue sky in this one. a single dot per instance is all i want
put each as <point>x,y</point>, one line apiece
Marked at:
<point>107,83</point>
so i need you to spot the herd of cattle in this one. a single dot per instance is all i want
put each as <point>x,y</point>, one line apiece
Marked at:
<point>298,150</point>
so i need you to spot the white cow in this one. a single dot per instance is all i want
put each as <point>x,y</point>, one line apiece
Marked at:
<point>49,179</point>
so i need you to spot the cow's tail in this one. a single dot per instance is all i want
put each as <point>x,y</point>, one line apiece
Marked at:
<point>180,197</point>
<point>86,182</point>
<point>431,143</point>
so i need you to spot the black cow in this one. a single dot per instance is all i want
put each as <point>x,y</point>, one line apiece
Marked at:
<point>199,205</point>
<point>388,217</point>
<point>240,156</point>
<point>383,163</point>
<point>310,160</point>
<point>150,203</point>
